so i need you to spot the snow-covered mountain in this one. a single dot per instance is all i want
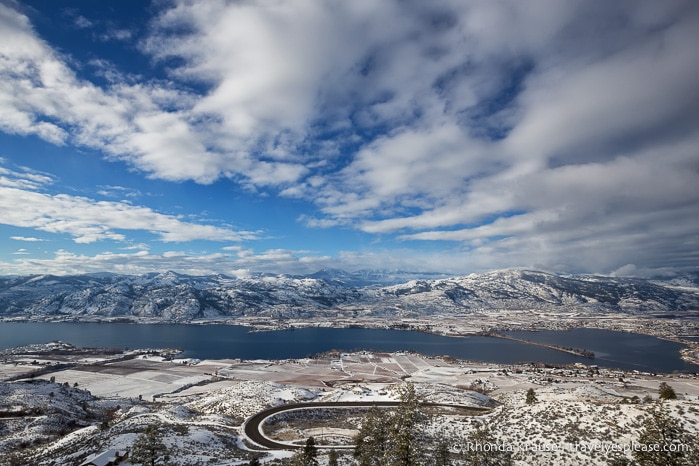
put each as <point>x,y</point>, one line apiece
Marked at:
<point>168,295</point>
<point>524,289</point>
<point>176,297</point>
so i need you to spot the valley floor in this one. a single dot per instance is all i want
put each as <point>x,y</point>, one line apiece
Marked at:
<point>61,404</point>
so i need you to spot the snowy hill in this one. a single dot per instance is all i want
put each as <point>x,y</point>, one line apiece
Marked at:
<point>522,289</point>
<point>180,298</point>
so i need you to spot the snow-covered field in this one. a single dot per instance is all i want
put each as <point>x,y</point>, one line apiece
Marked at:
<point>202,406</point>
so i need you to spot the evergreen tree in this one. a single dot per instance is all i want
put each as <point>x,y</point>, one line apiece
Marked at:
<point>663,441</point>
<point>310,453</point>
<point>482,449</point>
<point>148,449</point>
<point>405,433</point>
<point>531,396</point>
<point>666,392</point>
<point>332,458</point>
<point>371,442</point>
<point>441,454</point>
<point>395,440</point>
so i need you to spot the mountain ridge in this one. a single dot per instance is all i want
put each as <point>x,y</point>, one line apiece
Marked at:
<point>175,297</point>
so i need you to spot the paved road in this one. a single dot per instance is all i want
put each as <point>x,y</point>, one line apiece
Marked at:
<point>253,432</point>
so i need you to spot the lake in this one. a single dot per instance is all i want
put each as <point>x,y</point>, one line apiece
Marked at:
<point>613,349</point>
<point>617,349</point>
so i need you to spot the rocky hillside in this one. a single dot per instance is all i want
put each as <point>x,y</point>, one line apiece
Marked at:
<point>175,297</point>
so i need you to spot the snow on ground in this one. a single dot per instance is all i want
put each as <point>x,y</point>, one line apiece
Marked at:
<point>145,384</point>
<point>244,399</point>
<point>76,436</point>
<point>60,423</point>
<point>35,412</point>
<point>360,392</point>
<point>567,425</point>
<point>427,392</point>
<point>11,370</point>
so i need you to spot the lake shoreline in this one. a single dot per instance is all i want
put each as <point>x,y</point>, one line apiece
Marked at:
<point>305,340</point>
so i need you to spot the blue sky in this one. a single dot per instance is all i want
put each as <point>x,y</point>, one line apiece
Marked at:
<point>287,136</point>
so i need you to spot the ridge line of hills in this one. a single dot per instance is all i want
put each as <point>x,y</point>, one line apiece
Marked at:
<point>175,297</point>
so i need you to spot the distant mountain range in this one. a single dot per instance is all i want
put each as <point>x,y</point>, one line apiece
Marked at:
<point>367,277</point>
<point>170,296</point>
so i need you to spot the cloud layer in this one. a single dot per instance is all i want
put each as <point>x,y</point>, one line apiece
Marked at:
<point>546,133</point>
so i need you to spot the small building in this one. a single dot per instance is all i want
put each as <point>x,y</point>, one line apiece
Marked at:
<point>106,458</point>
<point>359,390</point>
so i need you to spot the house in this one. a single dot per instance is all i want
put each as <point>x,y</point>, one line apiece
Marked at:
<point>106,458</point>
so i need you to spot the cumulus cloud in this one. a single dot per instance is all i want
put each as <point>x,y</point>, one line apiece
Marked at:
<point>149,125</point>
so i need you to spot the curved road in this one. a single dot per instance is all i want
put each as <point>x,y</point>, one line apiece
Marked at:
<point>254,432</point>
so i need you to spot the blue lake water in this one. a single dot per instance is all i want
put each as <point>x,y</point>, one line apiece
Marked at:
<point>617,349</point>
<point>613,349</point>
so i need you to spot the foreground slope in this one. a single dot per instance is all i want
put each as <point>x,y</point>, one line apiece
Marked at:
<point>581,415</point>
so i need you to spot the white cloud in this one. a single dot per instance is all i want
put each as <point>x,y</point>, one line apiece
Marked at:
<point>82,23</point>
<point>595,105</point>
<point>117,34</point>
<point>40,95</point>
<point>413,168</point>
<point>87,220</point>
<point>242,264</point>
<point>600,165</point>
<point>138,247</point>
<point>119,192</point>
<point>22,179</point>
<point>65,262</point>
<point>26,238</point>
<point>630,270</point>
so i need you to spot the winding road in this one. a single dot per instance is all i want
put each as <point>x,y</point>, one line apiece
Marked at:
<point>252,427</point>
